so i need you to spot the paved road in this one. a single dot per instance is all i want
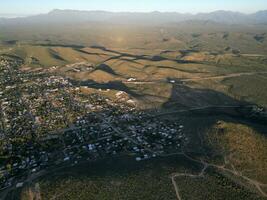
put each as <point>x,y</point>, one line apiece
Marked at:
<point>197,109</point>
<point>196,79</point>
<point>224,76</point>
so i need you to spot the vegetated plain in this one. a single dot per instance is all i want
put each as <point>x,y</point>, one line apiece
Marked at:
<point>163,69</point>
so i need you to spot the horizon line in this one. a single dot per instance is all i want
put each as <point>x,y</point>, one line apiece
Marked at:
<point>19,15</point>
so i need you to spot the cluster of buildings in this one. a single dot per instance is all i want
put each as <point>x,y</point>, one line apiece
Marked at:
<point>45,122</point>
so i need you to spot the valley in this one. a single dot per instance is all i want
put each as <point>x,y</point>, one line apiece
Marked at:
<point>119,111</point>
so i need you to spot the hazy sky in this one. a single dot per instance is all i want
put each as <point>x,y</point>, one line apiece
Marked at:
<point>28,7</point>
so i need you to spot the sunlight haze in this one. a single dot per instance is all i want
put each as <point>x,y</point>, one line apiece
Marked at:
<point>30,7</point>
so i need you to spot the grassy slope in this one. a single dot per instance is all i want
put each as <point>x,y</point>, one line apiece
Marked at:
<point>250,88</point>
<point>245,148</point>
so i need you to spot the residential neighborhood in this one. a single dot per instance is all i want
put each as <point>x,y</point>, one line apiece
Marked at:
<point>49,123</point>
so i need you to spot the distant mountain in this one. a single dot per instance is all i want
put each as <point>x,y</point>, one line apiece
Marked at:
<point>74,16</point>
<point>227,17</point>
<point>260,17</point>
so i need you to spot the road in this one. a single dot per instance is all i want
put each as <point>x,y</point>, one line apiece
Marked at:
<point>173,176</point>
<point>258,185</point>
<point>196,109</point>
<point>196,78</point>
<point>224,76</point>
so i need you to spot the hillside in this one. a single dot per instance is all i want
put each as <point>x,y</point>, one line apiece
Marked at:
<point>133,106</point>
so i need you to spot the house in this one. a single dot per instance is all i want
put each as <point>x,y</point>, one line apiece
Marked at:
<point>119,94</point>
<point>19,185</point>
<point>67,158</point>
<point>91,147</point>
<point>130,101</point>
<point>138,159</point>
<point>131,79</point>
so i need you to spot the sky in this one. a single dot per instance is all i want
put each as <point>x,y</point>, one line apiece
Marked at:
<point>10,8</point>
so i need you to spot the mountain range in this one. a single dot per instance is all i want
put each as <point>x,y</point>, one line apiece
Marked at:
<point>75,16</point>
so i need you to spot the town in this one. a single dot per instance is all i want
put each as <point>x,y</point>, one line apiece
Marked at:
<point>46,121</point>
